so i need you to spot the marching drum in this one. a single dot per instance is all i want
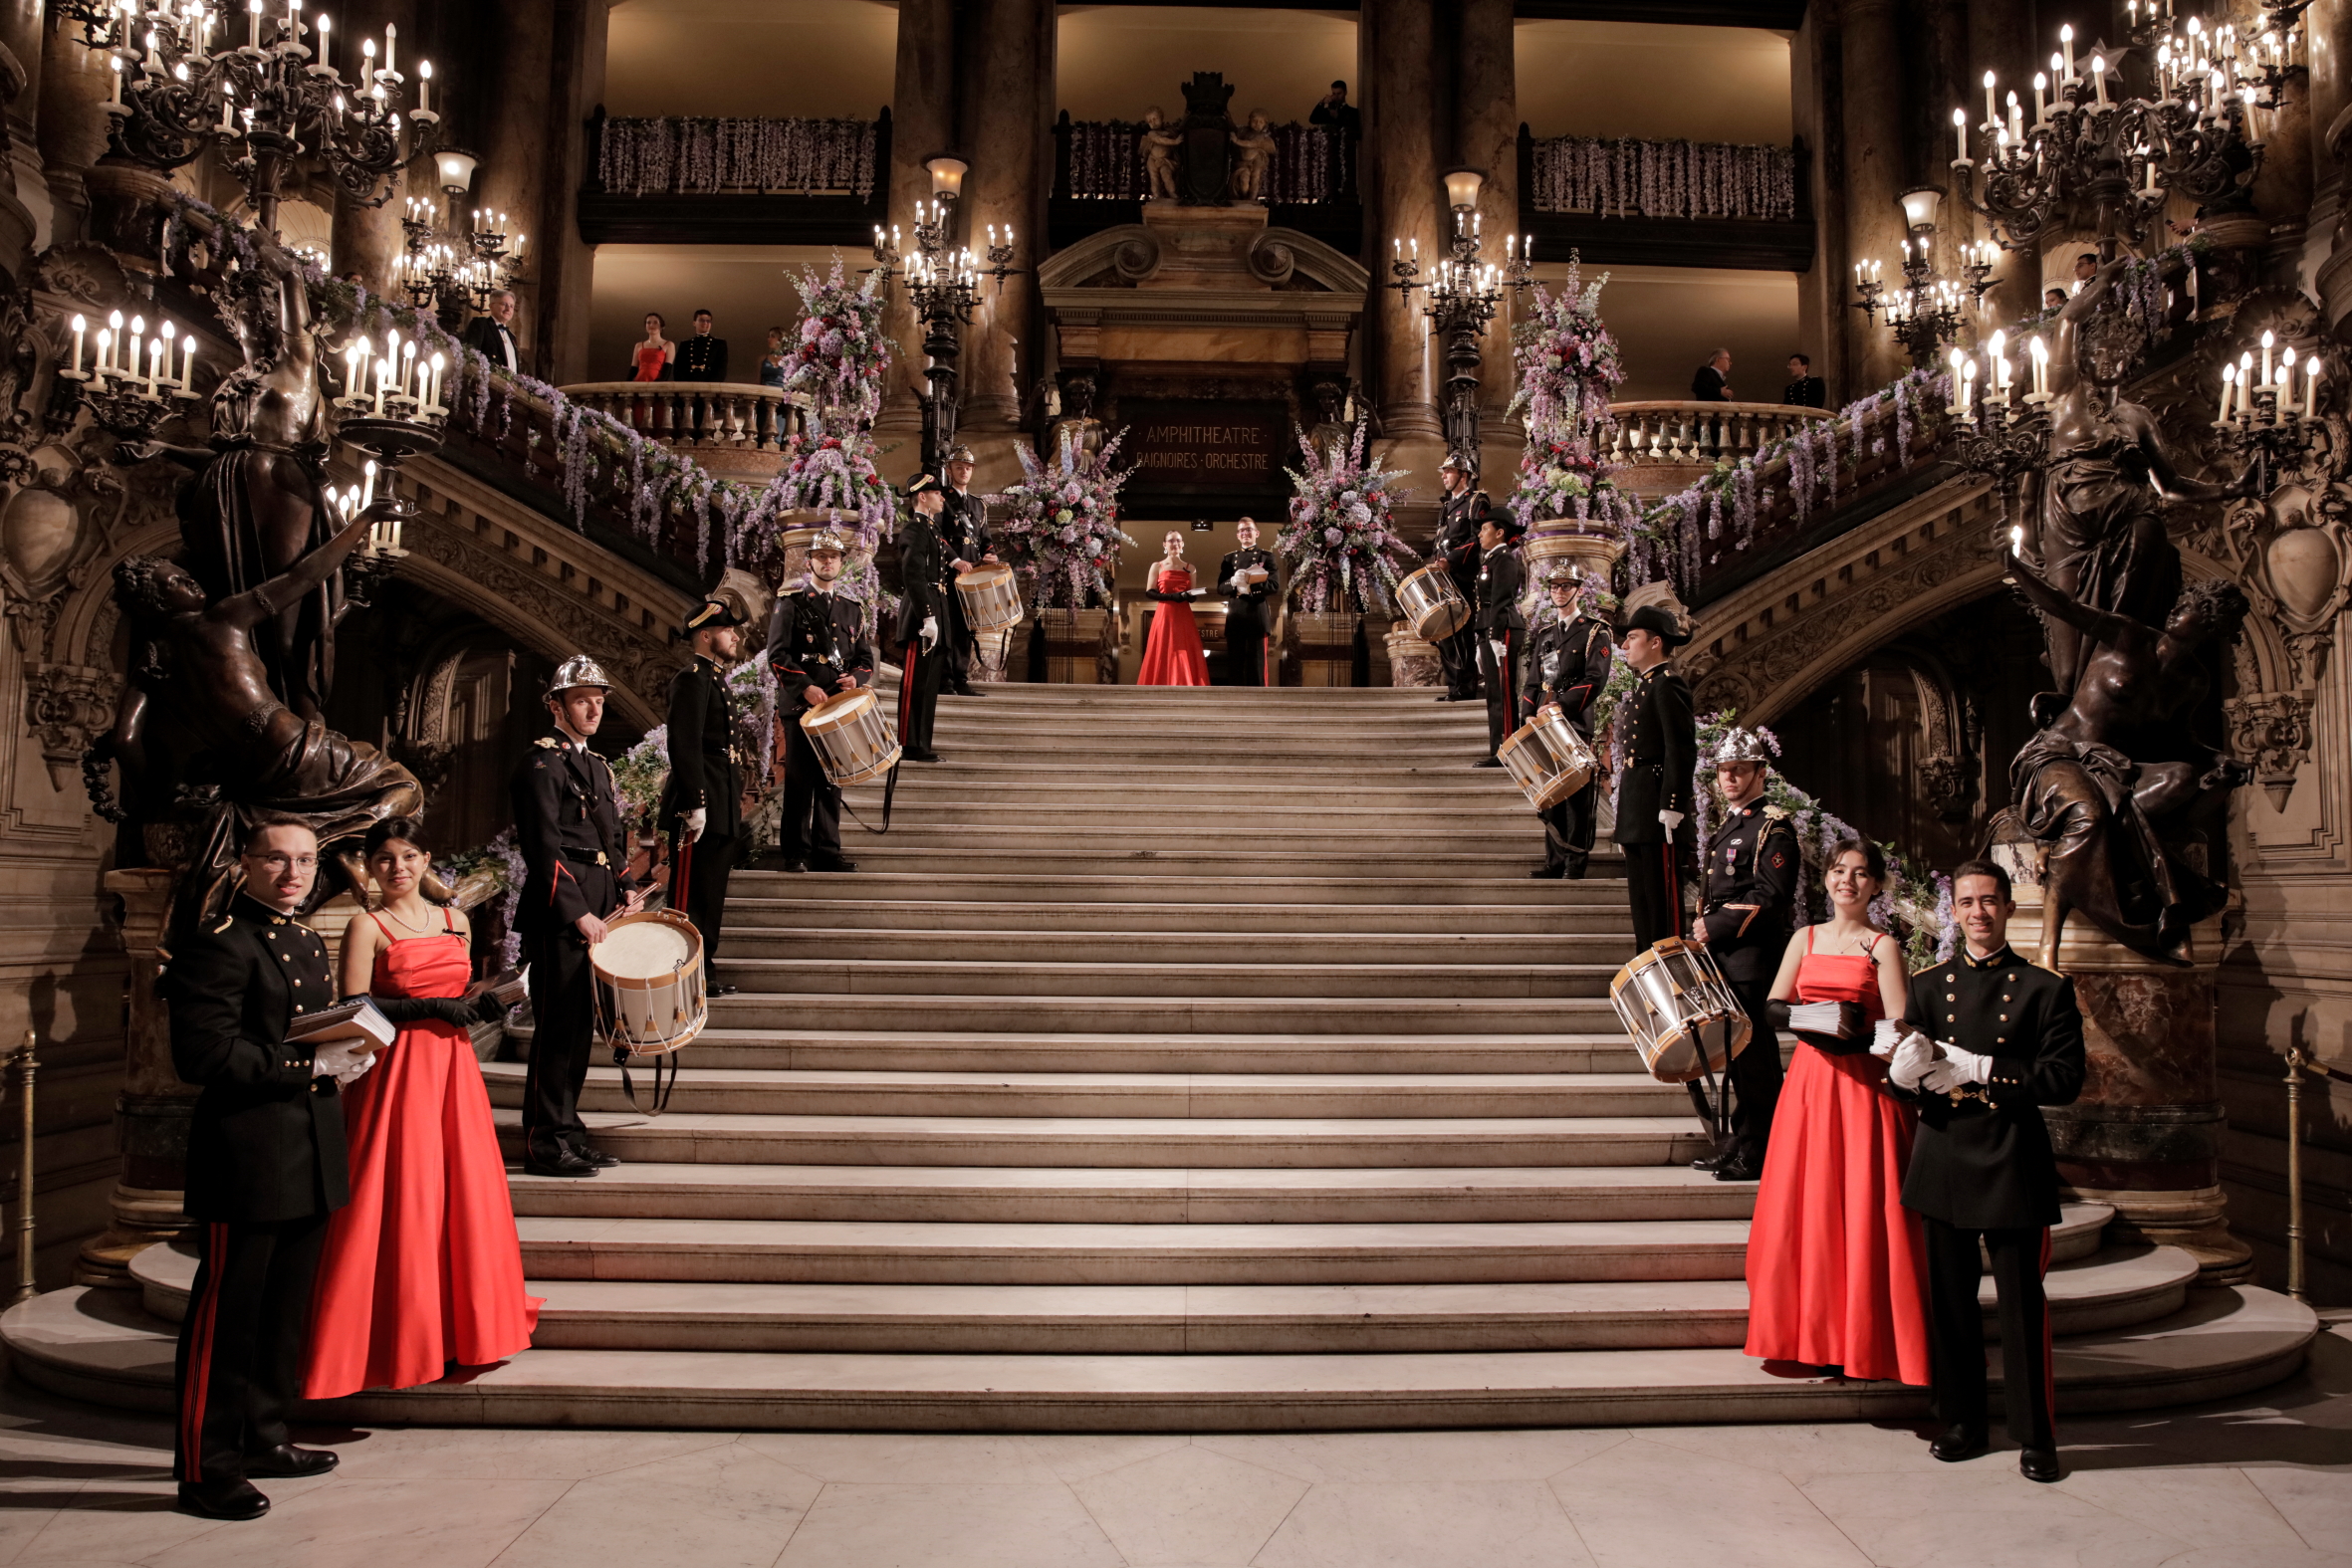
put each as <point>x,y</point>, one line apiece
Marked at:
<point>854,741</point>
<point>992,599</point>
<point>1548,758</point>
<point>651,996</point>
<point>1431,603</point>
<point>1684,1016</point>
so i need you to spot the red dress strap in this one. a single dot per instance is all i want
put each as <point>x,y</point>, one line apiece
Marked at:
<point>448,921</point>
<point>1809,938</point>
<point>381,926</point>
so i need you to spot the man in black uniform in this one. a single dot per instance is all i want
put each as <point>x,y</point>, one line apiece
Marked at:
<point>702,357</point>
<point>1568,664</point>
<point>1750,892</point>
<point>1460,511</point>
<point>817,647</point>
<point>567,828</point>
<point>265,1167</point>
<point>1654,802</point>
<point>1499,626</point>
<point>963,538</point>
<point>922,618</point>
<point>703,799</point>
<point>1250,621</point>
<point>1993,1039</point>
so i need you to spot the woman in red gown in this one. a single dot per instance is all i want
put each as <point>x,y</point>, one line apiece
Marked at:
<point>1173,657</point>
<point>1836,1268</point>
<point>422,1269</point>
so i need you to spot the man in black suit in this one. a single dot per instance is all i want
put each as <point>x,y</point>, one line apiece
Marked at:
<point>1460,511</point>
<point>963,538</point>
<point>1250,623</point>
<point>1993,1041</point>
<point>575,865</point>
<point>493,334</point>
<point>702,800</point>
<point>1711,383</point>
<point>1499,626</point>
<point>702,357</point>
<point>265,1167</point>
<point>817,647</point>
<point>1804,388</point>
<point>1748,893</point>
<point>1568,664</point>
<point>1334,109</point>
<point>922,618</point>
<point>1654,800</point>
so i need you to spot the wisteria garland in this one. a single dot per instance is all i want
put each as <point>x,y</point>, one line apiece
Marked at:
<point>1340,543</point>
<point>1060,530</point>
<point>706,156</point>
<point>504,860</point>
<point>842,357</point>
<point>1664,179</point>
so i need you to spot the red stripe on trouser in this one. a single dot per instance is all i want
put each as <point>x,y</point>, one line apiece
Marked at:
<point>681,867</point>
<point>1672,890</point>
<point>1509,674</point>
<point>906,686</point>
<point>2049,1364</point>
<point>199,1379</point>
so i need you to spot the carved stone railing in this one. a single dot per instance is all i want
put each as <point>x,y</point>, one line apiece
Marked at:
<point>717,421</point>
<point>1664,445</point>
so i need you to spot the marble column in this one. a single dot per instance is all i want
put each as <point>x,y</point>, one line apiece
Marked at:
<point>1486,136</point>
<point>2000,39</point>
<point>564,275</point>
<point>70,128</point>
<point>1002,91</point>
<point>368,240</point>
<point>2329,47</point>
<point>1404,199</point>
<point>24,34</point>
<point>515,174</point>
<point>922,123</point>
<point>1871,73</point>
<point>1821,290</point>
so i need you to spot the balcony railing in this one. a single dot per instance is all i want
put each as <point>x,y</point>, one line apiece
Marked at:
<point>691,157</point>
<point>708,416</point>
<point>1664,179</point>
<point>1686,434</point>
<point>1102,160</point>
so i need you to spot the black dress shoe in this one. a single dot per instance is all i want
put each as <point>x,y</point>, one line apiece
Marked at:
<point>1961,1442</point>
<point>919,754</point>
<point>965,691</point>
<point>1708,1162</point>
<point>1575,869</point>
<point>833,863</point>
<point>1487,762</point>
<point>796,866</point>
<point>232,1498</point>
<point>2038,1464</point>
<point>565,1161</point>
<point>722,990</point>
<point>1549,873</point>
<point>599,1157</point>
<point>1738,1166</point>
<point>288,1461</point>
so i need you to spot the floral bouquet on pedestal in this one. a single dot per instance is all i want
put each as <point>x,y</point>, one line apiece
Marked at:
<point>1340,543</point>
<point>843,353</point>
<point>1061,528</point>
<point>1568,367</point>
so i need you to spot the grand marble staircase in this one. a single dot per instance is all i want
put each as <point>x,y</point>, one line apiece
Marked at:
<point>1180,1060</point>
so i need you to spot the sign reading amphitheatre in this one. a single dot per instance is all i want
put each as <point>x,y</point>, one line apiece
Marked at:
<point>1205,447</point>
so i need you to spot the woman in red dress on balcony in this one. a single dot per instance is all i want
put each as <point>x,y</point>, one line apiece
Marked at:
<point>1836,1268</point>
<point>1173,656</point>
<point>422,1269</point>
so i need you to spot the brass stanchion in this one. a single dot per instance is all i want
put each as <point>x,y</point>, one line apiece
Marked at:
<point>2299,1062</point>
<point>21,1068</point>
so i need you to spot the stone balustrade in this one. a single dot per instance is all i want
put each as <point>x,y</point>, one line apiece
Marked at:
<point>731,427</point>
<point>1686,432</point>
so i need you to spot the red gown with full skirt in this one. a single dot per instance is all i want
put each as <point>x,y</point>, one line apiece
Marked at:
<point>1836,1271</point>
<point>422,1268</point>
<point>1172,655</point>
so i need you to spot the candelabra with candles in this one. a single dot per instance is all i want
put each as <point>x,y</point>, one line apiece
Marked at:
<point>130,387</point>
<point>2262,418</point>
<point>1465,292</point>
<point>1927,311</point>
<point>181,81</point>
<point>2000,440</point>
<point>445,269</point>
<point>2095,158</point>
<point>942,282</point>
<point>390,410</point>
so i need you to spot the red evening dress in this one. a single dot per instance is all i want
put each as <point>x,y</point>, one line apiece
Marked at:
<point>1173,657</point>
<point>422,1268</point>
<point>1836,1271</point>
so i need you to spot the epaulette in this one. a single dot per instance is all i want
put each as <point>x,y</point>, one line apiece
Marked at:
<point>549,741</point>
<point>226,921</point>
<point>1778,813</point>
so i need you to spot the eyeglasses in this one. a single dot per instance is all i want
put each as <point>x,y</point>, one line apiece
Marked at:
<point>284,862</point>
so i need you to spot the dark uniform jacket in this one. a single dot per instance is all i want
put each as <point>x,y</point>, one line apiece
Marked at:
<point>1806,392</point>
<point>814,639</point>
<point>1458,517</point>
<point>921,570</point>
<point>1251,614</point>
<point>703,774</point>
<point>1752,859</point>
<point>963,527</point>
<point>266,1142</point>
<point>567,828</point>
<point>702,358</point>
<point>1984,1157</point>
<point>1500,578</point>
<point>1661,747</point>
<point>1568,664</point>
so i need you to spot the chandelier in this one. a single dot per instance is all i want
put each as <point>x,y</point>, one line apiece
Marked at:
<point>2264,416</point>
<point>942,281</point>
<point>1465,293</point>
<point>2005,432</point>
<point>2100,156</point>
<point>1928,310</point>
<point>182,81</point>
<point>443,270</point>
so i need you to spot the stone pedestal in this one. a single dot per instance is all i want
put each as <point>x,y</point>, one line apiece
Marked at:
<point>1208,247</point>
<point>1593,547</point>
<point>152,1112</point>
<point>1075,644</point>
<point>2146,1134</point>
<point>1412,662</point>
<point>1327,648</point>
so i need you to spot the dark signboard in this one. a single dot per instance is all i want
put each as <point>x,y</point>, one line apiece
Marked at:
<point>1206,452</point>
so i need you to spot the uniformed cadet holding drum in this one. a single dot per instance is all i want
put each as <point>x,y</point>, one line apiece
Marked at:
<point>1568,664</point>
<point>702,800</point>
<point>818,648</point>
<point>567,828</point>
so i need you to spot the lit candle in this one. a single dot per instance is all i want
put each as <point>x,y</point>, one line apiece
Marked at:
<point>1992,114</point>
<point>2017,120</point>
<point>106,355</point>
<point>425,87</point>
<point>392,36</point>
<point>2311,388</point>
<point>2065,47</point>
<point>79,328</point>
<point>2041,368</point>
<point>1967,396</point>
<point>325,26</point>
<point>2042,108</point>
<point>1953,406</point>
<point>367,493</point>
<point>154,363</point>
<point>139,326</point>
<point>253,24</point>
<point>2267,340</point>
<point>2099,79</point>
<point>1959,135</point>
<point>187,364</point>
<point>2229,390</point>
<point>435,397</point>
<point>115,66</point>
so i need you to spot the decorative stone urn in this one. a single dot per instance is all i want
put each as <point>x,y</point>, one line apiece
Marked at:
<point>1412,662</point>
<point>1592,546</point>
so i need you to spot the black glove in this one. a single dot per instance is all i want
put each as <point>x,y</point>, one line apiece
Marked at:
<point>1776,1014</point>
<point>487,1008</point>
<point>415,1010</point>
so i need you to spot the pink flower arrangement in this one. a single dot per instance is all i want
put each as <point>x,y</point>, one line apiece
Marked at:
<point>1340,545</point>
<point>1060,528</point>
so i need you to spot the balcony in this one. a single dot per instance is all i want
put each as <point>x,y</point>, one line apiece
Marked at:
<point>736,181</point>
<point>1667,203</point>
<point>731,428</point>
<point>1100,181</point>
<point>1665,445</point>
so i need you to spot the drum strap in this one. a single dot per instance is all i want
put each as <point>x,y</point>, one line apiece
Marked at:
<point>661,1088</point>
<point>889,796</point>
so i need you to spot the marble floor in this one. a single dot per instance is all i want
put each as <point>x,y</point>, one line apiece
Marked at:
<point>2259,1481</point>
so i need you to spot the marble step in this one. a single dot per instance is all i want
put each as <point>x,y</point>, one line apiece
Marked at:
<point>1366,701</point>
<point>1403,837</point>
<point>103,1345</point>
<point>1245,951</point>
<point>1109,1195</point>
<point>1602,913</point>
<point>1067,856</point>
<point>1133,1096</point>
<point>879,882</point>
<point>709,1137</point>
<point>975,1051</point>
<point>1215,734</point>
<point>1442,768</point>
<point>1239,790</point>
<point>1225,1014</point>
<point>1143,751</point>
<point>840,974</point>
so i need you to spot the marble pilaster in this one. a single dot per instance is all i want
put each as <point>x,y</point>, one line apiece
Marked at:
<point>1404,204</point>
<point>70,127</point>
<point>2000,40</point>
<point>1486,136</point>
<point>1003,114</point>
<point>1871,72</point>
<point>922,123</point>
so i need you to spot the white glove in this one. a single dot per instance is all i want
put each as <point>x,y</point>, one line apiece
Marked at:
<point>696,820</point>
<point>1671,822</point>
<point>930,632</point>
<point>1501,653</point>
<point>1914,1055</point>
<point>341,1063</point>
<point>1956,1068</point>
